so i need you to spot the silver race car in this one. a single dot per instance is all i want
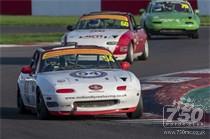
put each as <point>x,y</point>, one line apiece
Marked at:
<point>78,81</point>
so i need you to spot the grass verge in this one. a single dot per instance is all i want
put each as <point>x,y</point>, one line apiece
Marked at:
<point>59,20</point>
<point>38,20</point>
<point>205,21</point>
<point>29,38</point>
<point>46,21</point>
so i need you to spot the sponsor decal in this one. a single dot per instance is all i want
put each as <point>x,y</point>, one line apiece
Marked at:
<point>61,80</point>
<point>88,74</point>
<point>97,30</point>
<point>115,17</point>
<point>92,36</point>
<point>95,87</point>
<point>97,97</point>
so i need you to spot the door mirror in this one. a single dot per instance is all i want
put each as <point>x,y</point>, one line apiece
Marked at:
<point>125,65</point>
<point>70,28</point>
<point>197,11</point>
<point>141,11</point>
<point>26,70</point>
<point>138,27</point>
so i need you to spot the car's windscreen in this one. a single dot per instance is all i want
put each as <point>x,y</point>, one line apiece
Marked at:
<point>170,7</point>
<point>102,24</point>
<point>78,61</point>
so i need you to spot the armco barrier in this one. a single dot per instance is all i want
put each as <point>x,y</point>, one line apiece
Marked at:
<point>15,7</point>
<point>78,7</point>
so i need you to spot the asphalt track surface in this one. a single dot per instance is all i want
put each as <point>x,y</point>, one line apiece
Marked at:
<point>167,54</point>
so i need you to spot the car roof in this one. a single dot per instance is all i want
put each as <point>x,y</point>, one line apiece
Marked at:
<point>108,12</point>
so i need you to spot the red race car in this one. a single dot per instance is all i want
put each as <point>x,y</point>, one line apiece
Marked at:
<point>116,31</point>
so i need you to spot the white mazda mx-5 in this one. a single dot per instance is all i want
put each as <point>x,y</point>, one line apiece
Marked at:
<point>116,31</point>
<point>78,81</point>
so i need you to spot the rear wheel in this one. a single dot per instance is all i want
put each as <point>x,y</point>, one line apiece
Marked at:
<point>20,104</point>
<point>149,35</point>
<point>42,112</point>
<point>130,55</point>
<point>145,54</point>
<point>138,112</point>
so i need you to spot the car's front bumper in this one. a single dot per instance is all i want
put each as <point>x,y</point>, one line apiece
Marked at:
<point>97,104</point>
<point>113,111</point>
<point>171,28</point>
<point>170,31</point>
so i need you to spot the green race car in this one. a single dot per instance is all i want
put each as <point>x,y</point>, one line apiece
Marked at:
<point>170,17</point>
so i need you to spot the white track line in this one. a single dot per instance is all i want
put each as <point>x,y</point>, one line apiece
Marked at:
<point>32,45</point>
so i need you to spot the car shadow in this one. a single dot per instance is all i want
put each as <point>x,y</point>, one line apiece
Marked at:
<point>168,37</point>
<point>12,113</point>
<point>149,103</point>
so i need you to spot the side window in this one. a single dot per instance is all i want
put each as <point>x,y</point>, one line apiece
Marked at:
<point>34,61</point>
<point>133,22</point>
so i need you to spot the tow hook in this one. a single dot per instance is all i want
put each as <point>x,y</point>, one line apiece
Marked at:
<point>74,108</point>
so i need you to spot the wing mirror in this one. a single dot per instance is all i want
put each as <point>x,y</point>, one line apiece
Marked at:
<point>125,65</point>
<point>26,70</point>
<point>141,11</point>
<point>197,11</point>
<point>138,27</point>
<point>70,28</point>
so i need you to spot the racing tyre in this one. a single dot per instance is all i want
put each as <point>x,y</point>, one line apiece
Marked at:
<point>20,104</point>
<point>145,54</point>
<point>138,112</point>
<point>194,35</point>
<point>149,35</point>
<point>42,112</point>
<point>130,54</point>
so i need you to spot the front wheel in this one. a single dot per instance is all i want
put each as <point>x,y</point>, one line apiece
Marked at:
<point>138,112</point>
<point>194,35</point>
<point>42,112</point>
<point>20,104</point>
<point>145,54</point>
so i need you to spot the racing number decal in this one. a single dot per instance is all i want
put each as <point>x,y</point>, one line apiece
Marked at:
<point>184,6</point>
<point>88,74</point>
<point>124,23</point>
<point>108,58</point>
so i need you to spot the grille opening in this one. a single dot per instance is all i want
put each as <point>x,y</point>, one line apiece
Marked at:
<point>98,103</point>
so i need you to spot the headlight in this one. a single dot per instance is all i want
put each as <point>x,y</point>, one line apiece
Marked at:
<point>112,43</point>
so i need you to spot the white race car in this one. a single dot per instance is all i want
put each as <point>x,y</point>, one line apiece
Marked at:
<point>78,81</point>
<point>116,31</point>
